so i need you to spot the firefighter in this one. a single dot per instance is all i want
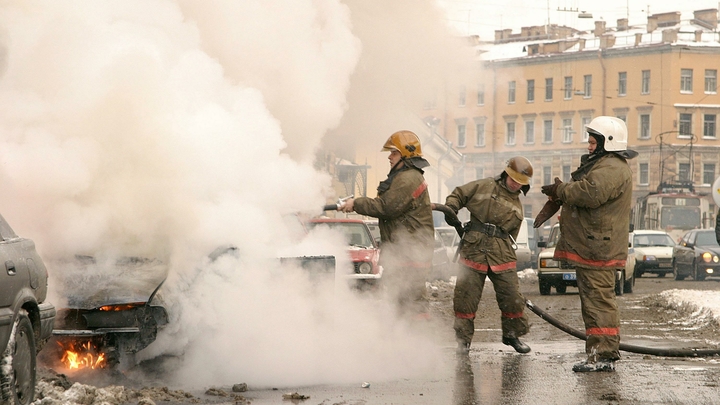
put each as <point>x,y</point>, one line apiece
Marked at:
<point>487,251</point>
<point>594,227</point>
<point>404,214</point>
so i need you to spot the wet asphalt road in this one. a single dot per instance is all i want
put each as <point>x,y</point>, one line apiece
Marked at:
<point>492,374</point>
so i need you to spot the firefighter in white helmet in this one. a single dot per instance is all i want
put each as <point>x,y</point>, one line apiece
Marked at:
<point>487,251</point>
<point>404,214</point>
<point>594,227</point>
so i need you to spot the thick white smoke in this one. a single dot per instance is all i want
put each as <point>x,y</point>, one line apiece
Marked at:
<point>164,129</point>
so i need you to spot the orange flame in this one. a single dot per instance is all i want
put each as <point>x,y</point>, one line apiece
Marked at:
<point>78,355</point>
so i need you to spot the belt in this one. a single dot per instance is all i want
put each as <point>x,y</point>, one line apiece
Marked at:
<point>489,229</point>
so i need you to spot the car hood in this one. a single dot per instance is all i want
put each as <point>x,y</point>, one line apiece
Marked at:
<point>658,251</point>
<point>358,254</point>
<point>712,249</point>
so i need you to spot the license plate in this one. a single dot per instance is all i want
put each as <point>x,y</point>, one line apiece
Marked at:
<point>665,265</point>
<point>568,276</point>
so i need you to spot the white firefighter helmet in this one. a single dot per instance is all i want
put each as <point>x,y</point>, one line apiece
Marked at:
<point>612,129</point>
<point>716,191</point>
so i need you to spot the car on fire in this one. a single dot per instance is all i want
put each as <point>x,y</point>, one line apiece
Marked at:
<point>362,247</point>
<point>697,255</point>
<point>119,315</point>
<point>652,251</point>
<point>560,274</point>
<point>26,318</point>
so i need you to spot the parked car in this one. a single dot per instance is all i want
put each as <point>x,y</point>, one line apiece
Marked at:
<point>442,268</point>
<point>362,248</point>
<point>26,318</point>
<point>523,253</point>
<point>696,255</point>
<point>561,274</point>
<point>652,251</point>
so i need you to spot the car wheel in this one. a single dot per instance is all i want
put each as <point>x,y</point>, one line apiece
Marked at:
<point>699,275</point>
<point>561,289</point>
<point>661,275</point>
<point>620,284</point>
<point>629,284</point>
<point>544,288</point>
<point>638,271</point>
<point>17,373</point>
<point>676,272</point>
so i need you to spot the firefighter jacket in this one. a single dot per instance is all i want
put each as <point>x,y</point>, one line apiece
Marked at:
<point>489,202</point>
<point>595,216</point>
<point>404,215</point>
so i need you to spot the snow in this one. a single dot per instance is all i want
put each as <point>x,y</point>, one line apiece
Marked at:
<point>701,301</point>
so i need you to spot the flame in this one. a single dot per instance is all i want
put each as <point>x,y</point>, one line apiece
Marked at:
<point>122,307</point>
<point>78,355</point>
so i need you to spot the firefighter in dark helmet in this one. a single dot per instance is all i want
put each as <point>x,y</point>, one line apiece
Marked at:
<point>404,214</point>
<point>594,228</point>
<point>487,251</point>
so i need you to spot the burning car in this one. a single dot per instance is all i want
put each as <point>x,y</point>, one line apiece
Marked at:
<point>26,319</point>
<point>362,248</point>
<point>104,326</point>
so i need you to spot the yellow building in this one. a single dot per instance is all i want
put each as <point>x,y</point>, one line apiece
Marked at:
<point>535,91</point>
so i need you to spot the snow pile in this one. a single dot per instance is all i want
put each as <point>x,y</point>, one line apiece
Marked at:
<point>701,304</point>
<point>49,393</point>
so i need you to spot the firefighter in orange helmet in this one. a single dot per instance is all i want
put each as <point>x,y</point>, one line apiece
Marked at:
<point>487,251</point>
<point>404,214</point>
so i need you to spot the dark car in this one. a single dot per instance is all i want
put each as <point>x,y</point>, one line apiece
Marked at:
<point>363,250</point>
<point>26,319</point>
<point>107,324</point>
<point>696,255</point>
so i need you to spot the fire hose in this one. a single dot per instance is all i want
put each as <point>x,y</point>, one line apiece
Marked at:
<point>452,220</point>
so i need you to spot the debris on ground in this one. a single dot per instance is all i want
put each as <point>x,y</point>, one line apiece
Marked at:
<point>242,387</point>
<point>295,395</point>
<point>216,392</point>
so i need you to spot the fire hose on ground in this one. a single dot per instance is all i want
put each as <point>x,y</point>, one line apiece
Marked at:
<point>452,220</point>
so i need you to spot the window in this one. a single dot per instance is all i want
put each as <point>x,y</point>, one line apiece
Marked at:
<point>686,80</point>
<point>709,125</point>
<point>622,117</point>
<point>480,134</point>
<point>644,126</point>
<point>587,86</point>
<point>530,91</point>
<point>568,87</point>
<point>643,176</point>
<point>585,122</point>
<point>527,210</point>
<point>461,96</point>
<point>548,89</point>
<point>566,173</point>
<point>511,92</point>
<point>510,136</point>
<point>481,94</point>
<point>547,174</point>
<point>684,171</point>
<point>479,173</point>
<point>547,132</point>
<point>708,174</point>
<point>645,85</point>
<point>529,131</point>
<point>567,130</point>
<point>710,81</point>
<point>622,83</point>
<point>461,135</point>
<point>685,125</point>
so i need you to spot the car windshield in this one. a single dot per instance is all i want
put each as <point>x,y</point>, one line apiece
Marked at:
<point>356,234</point>
<point>652,240</point>
<point>706,239</point>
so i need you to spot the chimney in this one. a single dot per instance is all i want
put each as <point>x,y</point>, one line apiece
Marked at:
<point>652,23</point>
<point>622,24</point>
<point>638,38</point>
<point>581,44</point>
<point>707,18</point>
<point>607,41</point>
<point>698,35</point>
<point>498,35</point>
<point>599,28</point>
<point>669,36</point>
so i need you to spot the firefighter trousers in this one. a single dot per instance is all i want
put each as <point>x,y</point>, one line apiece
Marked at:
<point>600,312</point>
<point>468,291</point>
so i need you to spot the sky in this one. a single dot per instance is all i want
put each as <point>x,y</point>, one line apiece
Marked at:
<point>483,17</point>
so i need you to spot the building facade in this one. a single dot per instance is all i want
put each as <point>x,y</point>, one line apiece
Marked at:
<point>535,91</point>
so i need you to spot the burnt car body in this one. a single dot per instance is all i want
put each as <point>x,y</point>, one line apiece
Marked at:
<point>26,319</point>
<point>118,317</point>
<point>697,255</point>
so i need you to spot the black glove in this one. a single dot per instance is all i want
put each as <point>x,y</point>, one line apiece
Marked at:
<point>547,211</point>
<point>550,190</point>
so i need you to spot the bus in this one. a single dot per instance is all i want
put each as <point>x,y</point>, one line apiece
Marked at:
<point>674,209</point>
